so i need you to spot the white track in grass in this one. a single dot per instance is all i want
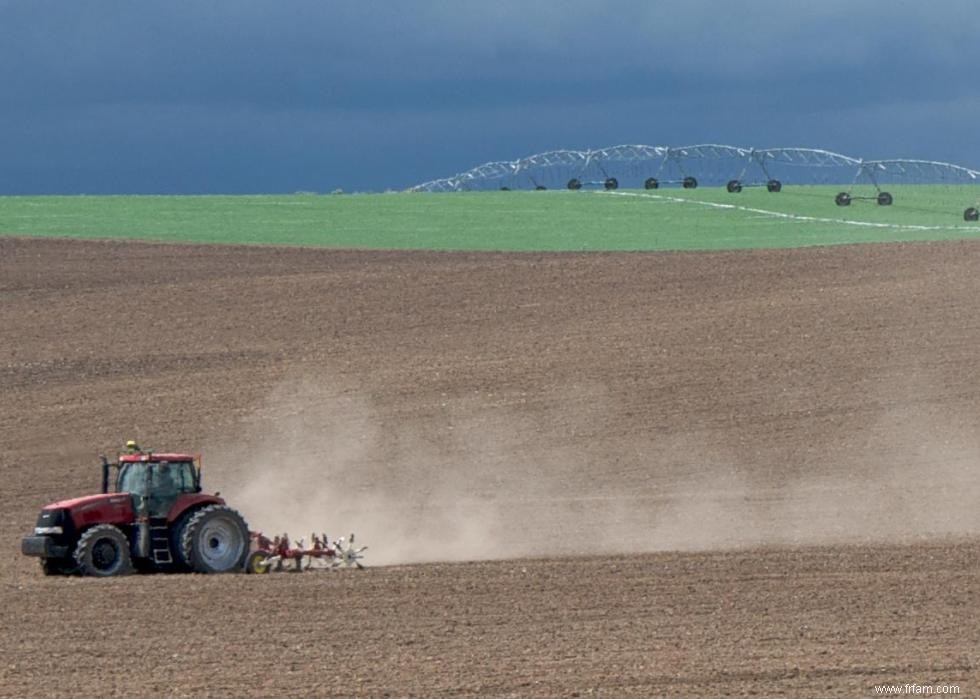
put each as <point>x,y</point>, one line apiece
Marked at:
<point>792,217</point>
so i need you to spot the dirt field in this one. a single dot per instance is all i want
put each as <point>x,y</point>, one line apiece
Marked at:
<point>726,474</point>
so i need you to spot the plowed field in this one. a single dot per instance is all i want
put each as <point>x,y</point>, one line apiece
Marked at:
<point>671,474</point>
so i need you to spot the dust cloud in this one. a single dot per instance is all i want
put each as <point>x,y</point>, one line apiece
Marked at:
<point>458,480</point>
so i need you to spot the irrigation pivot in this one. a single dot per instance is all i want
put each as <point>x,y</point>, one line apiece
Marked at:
<point>705,165</point>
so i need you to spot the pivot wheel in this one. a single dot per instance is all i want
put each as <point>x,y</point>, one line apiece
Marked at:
<point>103,551</point>
<point>611,183</point>
<point>971,214</point>
<point>215,540</point>
<point>651,183</point>
<point>734,186</point>
<point>843,199</point>
<point>884,199</point>
<point>540,188</point>
<point>574,184</point>
<point>689,183</point>
<point>774,186</point>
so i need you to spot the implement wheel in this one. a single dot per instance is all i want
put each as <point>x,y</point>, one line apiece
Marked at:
<point>689,183</point>
<point>884,199</point>
<point>733,186</point>
<point>575,184</point>
<point>843,199</point>
<point>971,214</point>
<point>257,563</point>
<point>651,183</point>
<point>611,183</point>
<point>774,186</point>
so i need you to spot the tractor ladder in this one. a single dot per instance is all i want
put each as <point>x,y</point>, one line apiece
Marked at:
<point>160,540</point>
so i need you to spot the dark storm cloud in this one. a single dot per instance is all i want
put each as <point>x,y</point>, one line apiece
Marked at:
<point>260,96</point>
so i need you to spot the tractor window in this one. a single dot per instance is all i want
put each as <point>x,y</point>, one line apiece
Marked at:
<point>171,478</point>
<point>183,477</point>
<point>168,478</point>
<point>132,478</point>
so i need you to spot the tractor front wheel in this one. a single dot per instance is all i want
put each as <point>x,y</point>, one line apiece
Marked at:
<point>56,566</point>
<point>103,551</point>
<point>215,540</point>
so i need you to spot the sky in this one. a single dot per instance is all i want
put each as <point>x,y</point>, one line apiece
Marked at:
<point>240,96</point>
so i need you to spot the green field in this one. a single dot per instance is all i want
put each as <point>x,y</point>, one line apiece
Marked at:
<point>665,219</point>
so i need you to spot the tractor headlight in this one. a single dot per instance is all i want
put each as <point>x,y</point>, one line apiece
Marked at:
<point>43,531</point>
<point>52,523</point>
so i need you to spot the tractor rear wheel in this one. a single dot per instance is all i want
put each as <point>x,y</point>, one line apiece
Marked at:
<point>103,551</point>
<point>177,530</point>
<point>215,540</point>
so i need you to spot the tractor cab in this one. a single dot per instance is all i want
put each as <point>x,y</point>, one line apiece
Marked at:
<point>155,481</point>
<point>160,482</point>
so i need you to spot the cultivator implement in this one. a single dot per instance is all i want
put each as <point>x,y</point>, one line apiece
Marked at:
<point>281,554</point>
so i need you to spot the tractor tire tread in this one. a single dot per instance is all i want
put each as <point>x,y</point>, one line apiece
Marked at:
<point>83,552</point>
<point>190,530</point>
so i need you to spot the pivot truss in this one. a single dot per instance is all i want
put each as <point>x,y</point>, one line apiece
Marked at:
<point>736,168</point>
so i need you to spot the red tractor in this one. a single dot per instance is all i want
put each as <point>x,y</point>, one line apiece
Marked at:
<point>155,518</point>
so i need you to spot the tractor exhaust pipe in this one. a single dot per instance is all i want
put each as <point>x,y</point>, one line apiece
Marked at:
<point>105,474</point>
